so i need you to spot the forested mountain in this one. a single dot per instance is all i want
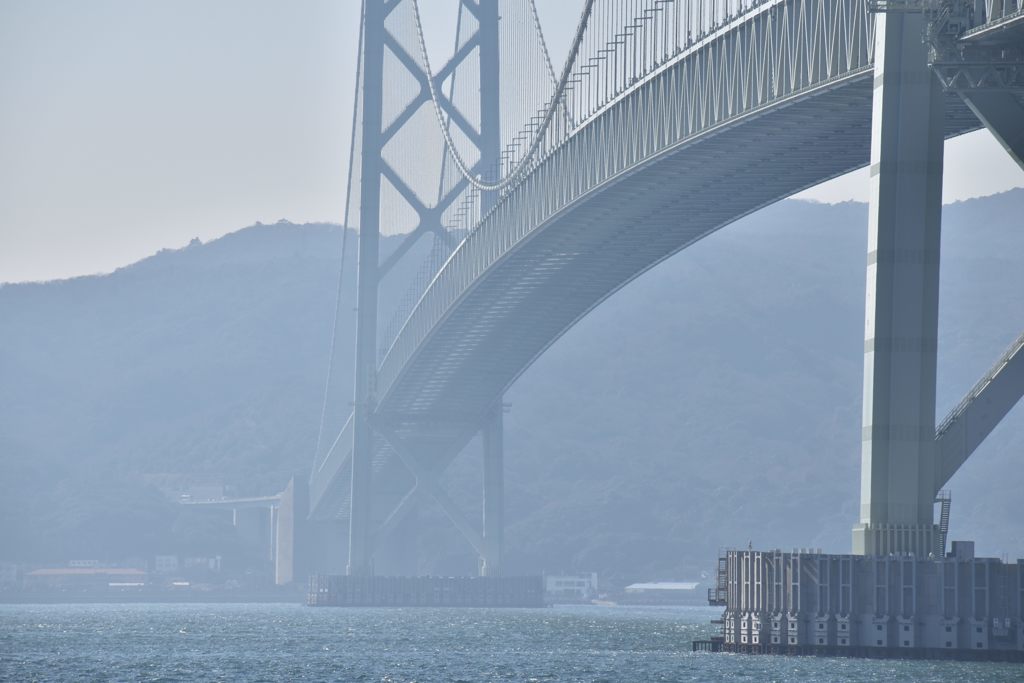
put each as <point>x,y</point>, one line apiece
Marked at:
<point>712,402</point>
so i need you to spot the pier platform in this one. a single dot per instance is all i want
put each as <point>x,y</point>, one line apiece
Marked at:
<point>425,591</point>
<point>892,606</point>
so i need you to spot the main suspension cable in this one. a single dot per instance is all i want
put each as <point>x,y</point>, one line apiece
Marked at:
<point>344,242</point>
<point>543,43</point>
<point>547,56</point>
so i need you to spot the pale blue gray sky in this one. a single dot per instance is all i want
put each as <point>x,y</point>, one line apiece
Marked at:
<point>127,127</point>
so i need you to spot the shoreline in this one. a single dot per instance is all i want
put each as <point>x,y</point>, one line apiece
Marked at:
<point>64,599</point>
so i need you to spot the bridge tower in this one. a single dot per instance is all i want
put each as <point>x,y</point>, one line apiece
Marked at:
<point>921,56</point>
<point>381,44</point>
<point>902,299</point>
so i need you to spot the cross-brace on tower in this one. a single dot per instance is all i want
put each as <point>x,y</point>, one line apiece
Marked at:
<point>379,40</point>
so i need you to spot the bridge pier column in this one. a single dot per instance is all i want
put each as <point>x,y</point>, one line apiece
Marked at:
<point>291,561</point>
<point>901,321</point>
<point>494,493</point>
<point>490,162</point>
<point>360,549</point>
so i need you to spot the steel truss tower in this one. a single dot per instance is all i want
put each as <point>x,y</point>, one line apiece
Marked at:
<point>365,532</point>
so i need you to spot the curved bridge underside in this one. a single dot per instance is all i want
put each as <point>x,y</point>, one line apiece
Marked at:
<point>585,222</point>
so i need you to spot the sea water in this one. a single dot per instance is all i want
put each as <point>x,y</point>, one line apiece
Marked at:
<point>258,642</point>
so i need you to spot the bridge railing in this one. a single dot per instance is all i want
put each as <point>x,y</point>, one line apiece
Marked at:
<point>997,10</point>
<point>627,42</point>
<point>976,390</point>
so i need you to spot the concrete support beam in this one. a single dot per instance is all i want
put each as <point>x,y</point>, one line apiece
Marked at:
<point>359,541</point>
<point>272,516</point>
<point>979,413</point>
<point>494,493</point>
<point>290,560</point>
<point>901,321</point>
<point>1003,115</point>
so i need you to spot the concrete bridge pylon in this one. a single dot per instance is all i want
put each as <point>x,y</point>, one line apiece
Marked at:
<point>905,458</point>
<point>902,297</point>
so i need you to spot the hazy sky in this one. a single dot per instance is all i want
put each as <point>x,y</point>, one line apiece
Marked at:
<point>128,126</point>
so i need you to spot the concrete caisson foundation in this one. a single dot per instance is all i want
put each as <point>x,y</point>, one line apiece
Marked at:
<point>956,607</point>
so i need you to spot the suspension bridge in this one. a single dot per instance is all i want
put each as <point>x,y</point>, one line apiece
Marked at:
<point>540,189</point>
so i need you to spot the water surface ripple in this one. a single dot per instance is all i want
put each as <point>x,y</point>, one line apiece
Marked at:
<point>293,643</point>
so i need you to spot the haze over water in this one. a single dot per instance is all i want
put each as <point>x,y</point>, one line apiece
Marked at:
<point>290,642</point>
